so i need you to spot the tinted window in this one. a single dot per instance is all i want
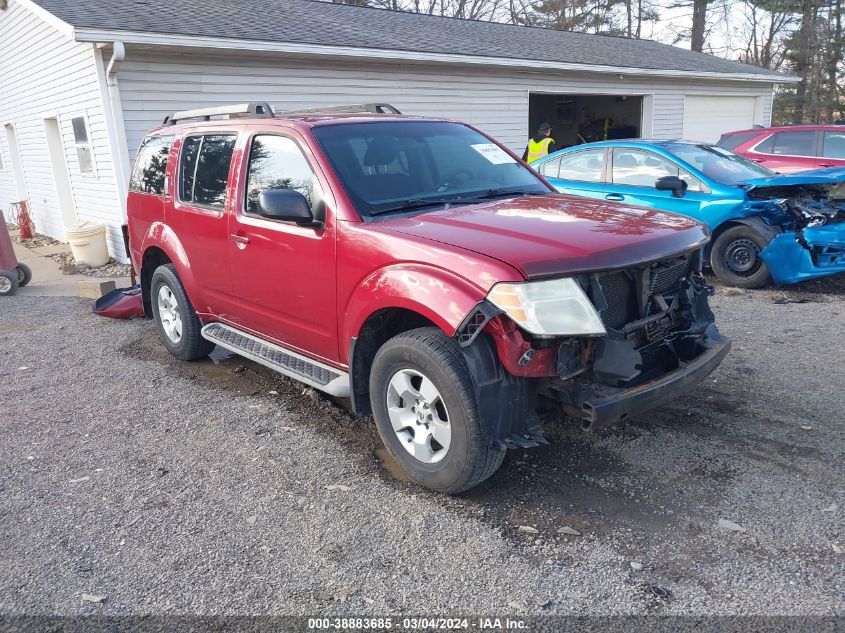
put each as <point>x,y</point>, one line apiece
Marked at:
<point>210,166</point>
<point>551,169</point>
<point>150,165</point>
<point>797,143</point>
<point>834,145</point>
<point>213,170</point>
<point>276,162</point>
<point>187,167</point>
<point>584,166</point>
<point>730,141</point>
<point>639,168</point>
<point>390,166</point>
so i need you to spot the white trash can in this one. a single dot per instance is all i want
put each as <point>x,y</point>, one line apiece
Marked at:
<point>88,242</point>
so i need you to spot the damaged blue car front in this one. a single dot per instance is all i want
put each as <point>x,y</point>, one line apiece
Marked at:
<point>765,226</point>
<point>809,210</point>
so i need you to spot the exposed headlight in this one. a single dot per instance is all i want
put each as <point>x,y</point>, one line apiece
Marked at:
<point>557,307</point>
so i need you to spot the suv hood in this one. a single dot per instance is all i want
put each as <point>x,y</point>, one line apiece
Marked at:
<point>556,234</point>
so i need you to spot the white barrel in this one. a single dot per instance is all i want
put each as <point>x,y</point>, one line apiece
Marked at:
<point>88,242</point>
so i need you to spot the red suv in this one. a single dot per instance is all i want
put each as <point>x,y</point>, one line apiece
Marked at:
<point>790,149</point>
<point>419,268</point>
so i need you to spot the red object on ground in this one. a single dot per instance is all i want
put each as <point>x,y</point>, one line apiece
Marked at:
<point>122,303</point>
<point>24,220</point>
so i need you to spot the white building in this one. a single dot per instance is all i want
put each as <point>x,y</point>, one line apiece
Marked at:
<point>81,82</point>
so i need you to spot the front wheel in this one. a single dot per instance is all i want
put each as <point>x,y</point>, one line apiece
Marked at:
<point>735,258</point>
<point>424,405</point>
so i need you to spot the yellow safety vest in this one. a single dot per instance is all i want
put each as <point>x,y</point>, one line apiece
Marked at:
<point>538,150</point>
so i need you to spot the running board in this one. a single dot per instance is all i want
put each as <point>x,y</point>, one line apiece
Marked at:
<point>333,381</point>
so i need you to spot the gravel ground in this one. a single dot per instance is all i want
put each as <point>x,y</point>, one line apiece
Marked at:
<point>170,487</point>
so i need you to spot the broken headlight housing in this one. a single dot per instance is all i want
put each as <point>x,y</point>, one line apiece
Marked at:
<point>556,307</point>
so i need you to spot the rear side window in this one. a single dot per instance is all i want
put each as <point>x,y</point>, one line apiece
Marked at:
<point>584,166</point>
<point>204,169</point>
<point>276,162</point>
<point>834,145</point>
<point>793,143</point>
<point>150,166</point>
<point>731,141</point>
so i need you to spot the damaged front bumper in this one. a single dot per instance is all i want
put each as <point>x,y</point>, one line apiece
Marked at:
<point>599,405</point>
<point>816,251</point>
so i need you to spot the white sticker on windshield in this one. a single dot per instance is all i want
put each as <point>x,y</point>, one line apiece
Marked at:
<point>493,153</point>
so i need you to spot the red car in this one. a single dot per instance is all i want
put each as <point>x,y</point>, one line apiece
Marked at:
<point>791,148</point>
<point>419,268</point>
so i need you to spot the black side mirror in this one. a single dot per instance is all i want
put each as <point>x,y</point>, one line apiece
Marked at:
<point>676,185</point>
<point>286,205</point>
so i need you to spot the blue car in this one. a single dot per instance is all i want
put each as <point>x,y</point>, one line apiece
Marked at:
<point>765,226</point>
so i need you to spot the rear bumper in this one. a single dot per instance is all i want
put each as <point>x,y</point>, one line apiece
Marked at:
<point>789,261</point>
<point>607,408</point>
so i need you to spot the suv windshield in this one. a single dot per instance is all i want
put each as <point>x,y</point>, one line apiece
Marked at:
<point>396,166</point>
<point>719,164</point>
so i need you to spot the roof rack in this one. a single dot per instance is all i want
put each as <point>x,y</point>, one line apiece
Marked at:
<point>255,109</point>
<point>372,108</point>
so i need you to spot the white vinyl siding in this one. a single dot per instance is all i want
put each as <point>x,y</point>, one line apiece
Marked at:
<point>45,73</point>
<point>495,100</point>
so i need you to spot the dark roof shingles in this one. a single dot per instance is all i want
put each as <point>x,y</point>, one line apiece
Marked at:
<point>324,23</point>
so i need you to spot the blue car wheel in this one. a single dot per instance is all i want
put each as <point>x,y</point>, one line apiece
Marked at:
<point>735,258</point>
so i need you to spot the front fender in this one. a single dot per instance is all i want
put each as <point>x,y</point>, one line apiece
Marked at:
<point>162,237</point>
<point>439,295</point>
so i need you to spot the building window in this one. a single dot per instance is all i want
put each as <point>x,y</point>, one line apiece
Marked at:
<point>82,141</point>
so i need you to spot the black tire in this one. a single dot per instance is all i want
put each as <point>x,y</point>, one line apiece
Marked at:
<point>190,344</point>
<point>735,258</point>
<point>8,283</point>
<point>24,274</point>
<point>469,460</point>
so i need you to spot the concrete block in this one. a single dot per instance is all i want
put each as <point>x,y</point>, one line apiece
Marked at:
<point>93,288</point>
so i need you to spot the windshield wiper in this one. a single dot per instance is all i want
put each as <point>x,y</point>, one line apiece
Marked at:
<point>501,193</point>
<point>413,203</point>
<point>419,203</point>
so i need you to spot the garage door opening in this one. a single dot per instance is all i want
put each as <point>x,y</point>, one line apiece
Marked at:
<point>577,119</point>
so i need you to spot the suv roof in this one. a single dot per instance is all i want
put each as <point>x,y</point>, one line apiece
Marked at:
<point>782,128</point>
<point>224,116</point>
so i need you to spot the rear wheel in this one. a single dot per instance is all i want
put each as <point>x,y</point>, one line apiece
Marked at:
<point>24,274</point>
<point>177,323</point>
<point>735,258</point>
<point>8,283</point>
<point>423,401</point>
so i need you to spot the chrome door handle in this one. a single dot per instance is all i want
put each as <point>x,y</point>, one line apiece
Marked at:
<point>240,240</point>
<point>615,197</point>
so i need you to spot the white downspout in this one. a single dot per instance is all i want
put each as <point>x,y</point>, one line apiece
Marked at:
<point>122,167</point>
<point>113,111</point>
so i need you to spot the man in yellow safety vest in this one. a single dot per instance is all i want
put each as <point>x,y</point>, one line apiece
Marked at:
<point>540,144</point>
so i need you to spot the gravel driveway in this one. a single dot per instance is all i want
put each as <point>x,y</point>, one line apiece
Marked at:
<point>159,487</point>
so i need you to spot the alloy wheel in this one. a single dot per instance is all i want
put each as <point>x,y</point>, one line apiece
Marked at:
<point>169,314</point>
<point>419,416</point>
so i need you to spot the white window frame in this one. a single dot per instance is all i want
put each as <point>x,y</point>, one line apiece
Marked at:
<point>89,144</point>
